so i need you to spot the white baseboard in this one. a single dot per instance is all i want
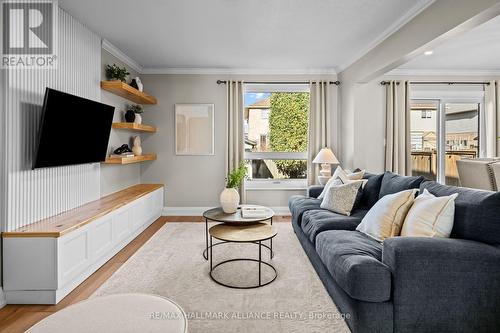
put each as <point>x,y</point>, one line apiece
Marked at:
<point>198,211</point>
<point>3,301</point>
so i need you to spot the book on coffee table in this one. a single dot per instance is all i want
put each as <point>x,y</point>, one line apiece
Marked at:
<point>253,212</point>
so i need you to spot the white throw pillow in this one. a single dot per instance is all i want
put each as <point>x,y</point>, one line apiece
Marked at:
<point>386,217</point>
<point>430,216</point>
<point>340,199</point>
<point>341,177</point>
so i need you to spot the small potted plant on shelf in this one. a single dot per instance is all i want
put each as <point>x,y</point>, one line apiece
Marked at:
<point>114,73</point>
<point>133,114</point>
<point>230,198</point>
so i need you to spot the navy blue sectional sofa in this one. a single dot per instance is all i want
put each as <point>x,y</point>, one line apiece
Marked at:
<point>407,284</point>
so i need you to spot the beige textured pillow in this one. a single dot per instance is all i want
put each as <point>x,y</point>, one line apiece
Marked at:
<point>386,217</point>
<point>340,199</point>
<point>430,216</point>
<point>341,177</point>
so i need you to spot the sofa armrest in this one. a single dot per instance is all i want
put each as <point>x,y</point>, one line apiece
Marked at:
<point>314,191</point>
<point>442,284</point>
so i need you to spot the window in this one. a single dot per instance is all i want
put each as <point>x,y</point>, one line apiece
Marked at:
<point>275,127</point>
<point>264,113</point>
<point>450,131</point>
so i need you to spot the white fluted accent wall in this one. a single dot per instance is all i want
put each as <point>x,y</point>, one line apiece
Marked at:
<point>33,195</point>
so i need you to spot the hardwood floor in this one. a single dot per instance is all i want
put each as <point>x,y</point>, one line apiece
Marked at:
<point>18,318</point>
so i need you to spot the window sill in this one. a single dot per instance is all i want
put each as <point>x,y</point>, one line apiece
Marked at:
<point>273,185</point>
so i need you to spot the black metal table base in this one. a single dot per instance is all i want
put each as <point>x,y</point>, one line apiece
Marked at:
<point>260,261</point>
<point>205,254</point>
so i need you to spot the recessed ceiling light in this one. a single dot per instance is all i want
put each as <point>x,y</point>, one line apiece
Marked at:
<point>428,53</point>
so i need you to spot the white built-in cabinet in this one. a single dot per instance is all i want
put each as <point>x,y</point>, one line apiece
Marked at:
<point>43,270</point>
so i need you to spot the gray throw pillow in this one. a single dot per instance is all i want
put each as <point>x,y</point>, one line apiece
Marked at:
<point>340,199</point>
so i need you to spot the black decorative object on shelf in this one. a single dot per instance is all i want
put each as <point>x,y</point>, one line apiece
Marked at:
<point>133,83</point>
<point>124,148</point>
<point>130,116</point>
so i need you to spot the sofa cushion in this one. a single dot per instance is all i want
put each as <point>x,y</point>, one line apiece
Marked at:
<point>298,204</point>
<point>354,260</point>
<point>393,183</point>
<point>314,191</point>
<point>319,220</point>
<point>430,216</point>
<point>477,212</point>
<point>370,192</point>
<point>386,217</point>
<point>341,199</point>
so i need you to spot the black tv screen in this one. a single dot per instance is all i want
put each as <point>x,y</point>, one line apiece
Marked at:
<point>73,130</point>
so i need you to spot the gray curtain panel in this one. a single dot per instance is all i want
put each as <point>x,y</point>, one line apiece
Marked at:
<point>397,134</point>
<point>235,136</point>
<point>320,136</point>
<point>492,118</point>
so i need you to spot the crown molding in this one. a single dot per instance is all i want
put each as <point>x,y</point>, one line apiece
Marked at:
<point>419,7</point>
<point>443,72</point>
<point>106,45</point>
<point>241,71</point>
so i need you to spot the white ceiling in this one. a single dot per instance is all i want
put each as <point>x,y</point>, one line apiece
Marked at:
<point>475,50</point>
<point>235,34</point>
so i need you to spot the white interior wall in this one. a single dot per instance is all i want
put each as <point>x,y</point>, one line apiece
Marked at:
<point>30,195</point>
<point>369,115</point>
<point>432,26</point>
<point>40,193</point>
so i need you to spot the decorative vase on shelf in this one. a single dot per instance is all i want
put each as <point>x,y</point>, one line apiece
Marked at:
<point>130,116</point>
<point>138,119</point>
<point>140,86</point>
<point>136,147</point>
<point>229,200</point>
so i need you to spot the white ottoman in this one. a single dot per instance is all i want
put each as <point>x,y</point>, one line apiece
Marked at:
<point>117,313</point>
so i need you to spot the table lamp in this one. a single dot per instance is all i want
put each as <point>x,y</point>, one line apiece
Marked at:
<point>325,157</point>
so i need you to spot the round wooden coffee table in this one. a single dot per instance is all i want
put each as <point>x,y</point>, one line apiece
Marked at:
<point>253,233</point>
<point>218,215</point>
<point>123,313</point>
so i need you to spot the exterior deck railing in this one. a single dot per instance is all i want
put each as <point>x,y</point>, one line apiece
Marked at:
<point>424,163</point>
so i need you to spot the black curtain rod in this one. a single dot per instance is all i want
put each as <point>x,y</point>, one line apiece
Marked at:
<point>432,82</point>
<point>284,82</point>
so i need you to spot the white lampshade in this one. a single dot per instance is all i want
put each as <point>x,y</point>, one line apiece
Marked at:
<point>326,156</point>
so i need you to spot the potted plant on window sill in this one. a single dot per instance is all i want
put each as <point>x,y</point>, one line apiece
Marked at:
<point>230,198</point>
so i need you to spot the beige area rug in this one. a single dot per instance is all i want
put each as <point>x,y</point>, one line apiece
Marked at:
<point>170,264</point>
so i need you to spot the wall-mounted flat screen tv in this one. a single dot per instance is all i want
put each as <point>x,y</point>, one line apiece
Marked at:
<point>73,130</point>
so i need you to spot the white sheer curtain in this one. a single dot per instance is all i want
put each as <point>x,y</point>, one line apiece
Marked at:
<point>397,131</point>
<point>492,118</point>
<point>235,136</point>
<point>320,113</point>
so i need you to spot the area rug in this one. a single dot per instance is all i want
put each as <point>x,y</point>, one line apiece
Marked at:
<point>170,264</point>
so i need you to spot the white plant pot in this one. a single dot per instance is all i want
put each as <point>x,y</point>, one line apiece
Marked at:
<point>229,200</point>
<point>138,119</point>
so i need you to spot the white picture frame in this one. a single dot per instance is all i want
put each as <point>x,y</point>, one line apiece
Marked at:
<point>194,129</point>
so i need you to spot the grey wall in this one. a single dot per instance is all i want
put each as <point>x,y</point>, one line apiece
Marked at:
<point>193,181</point>
<point>117,177</point>
<point>196,181</point>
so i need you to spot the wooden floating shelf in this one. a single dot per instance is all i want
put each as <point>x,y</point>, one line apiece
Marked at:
<point>129,160</point>
<point>126,91</point>
<point>135,127</point>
